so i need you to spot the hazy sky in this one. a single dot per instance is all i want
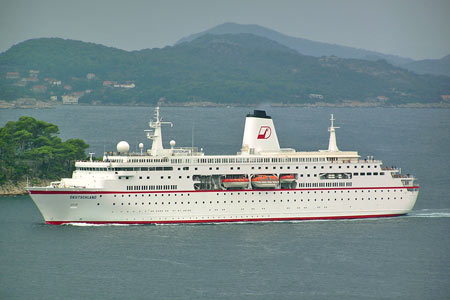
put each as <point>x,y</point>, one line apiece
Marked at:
<point>417,29</point>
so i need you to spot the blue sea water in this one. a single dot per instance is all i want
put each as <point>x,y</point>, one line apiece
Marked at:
<point>390,258</point>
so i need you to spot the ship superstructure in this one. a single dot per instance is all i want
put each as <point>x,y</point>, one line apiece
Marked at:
<point>263,182</point>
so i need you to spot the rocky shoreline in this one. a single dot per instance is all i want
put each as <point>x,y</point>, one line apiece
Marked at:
<point>26,103</point>
<point>20,187</point>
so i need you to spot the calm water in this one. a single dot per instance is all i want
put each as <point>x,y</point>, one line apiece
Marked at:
<point>393,258</point>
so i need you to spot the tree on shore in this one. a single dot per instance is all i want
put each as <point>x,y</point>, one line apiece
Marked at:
<point>30,147</point>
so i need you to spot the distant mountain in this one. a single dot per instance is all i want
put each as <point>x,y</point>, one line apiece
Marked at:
<point>303,46</point>
<point>228,69</point>
<point>430,66</point>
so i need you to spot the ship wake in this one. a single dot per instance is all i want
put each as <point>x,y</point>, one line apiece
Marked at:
<point>430,213</point>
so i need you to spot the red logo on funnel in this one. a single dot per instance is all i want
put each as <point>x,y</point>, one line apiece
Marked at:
<point>264,133</point>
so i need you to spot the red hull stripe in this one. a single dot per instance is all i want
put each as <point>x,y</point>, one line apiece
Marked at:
<point>226,220</point>
<point>218,191</point>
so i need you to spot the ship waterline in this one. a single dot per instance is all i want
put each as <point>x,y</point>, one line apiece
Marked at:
<point>263,182</point>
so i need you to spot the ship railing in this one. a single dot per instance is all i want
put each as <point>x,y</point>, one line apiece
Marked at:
<point>181,151</point>
<point>55,184</point>
<point>369,161</point>
<point>400,176</point>
<point>112,153</point>
<point>392,169</point>
<point>409,181</point>
<point>186,151</point>
<point>287,150</point>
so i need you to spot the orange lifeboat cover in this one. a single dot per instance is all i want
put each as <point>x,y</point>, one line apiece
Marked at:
<point>265,178</point>
<point>235,180</point>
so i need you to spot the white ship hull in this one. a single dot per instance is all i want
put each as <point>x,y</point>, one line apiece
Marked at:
<point>185,186</point>
<point>59,207</point>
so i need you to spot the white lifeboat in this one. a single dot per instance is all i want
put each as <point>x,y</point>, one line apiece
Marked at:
<point>235,182</point>
<point>288,178</point>
<point>265,181</point>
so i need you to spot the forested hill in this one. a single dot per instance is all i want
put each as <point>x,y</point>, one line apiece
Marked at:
<point>231,68</point>
<point>31,148</point>
<point>63,59</point>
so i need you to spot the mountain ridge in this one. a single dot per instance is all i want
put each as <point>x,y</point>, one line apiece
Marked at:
<point>430,66</point>
<point>227,69</point>
<point>318,49</point>
<point>301,45</point>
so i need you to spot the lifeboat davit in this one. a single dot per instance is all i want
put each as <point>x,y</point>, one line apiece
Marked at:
<point>265,181</point>
<point>235,182</point>
<point>287,178</point>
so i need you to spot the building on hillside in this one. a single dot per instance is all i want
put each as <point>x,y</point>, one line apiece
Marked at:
<point>316,96</point>
<point>90,76</point>
<point>54,82</point>
<point>12,75</point>
<point>128,85</point>
<point>22,82</point>
<point>72,98</point>
<point>39,88</point>
<point>34,73</point>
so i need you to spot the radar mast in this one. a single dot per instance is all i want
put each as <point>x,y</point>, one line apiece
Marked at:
<point>332,146</point>
<point>156,136</point>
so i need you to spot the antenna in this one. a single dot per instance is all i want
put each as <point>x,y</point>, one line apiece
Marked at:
<point>192,137</point>
<point>332,119</point>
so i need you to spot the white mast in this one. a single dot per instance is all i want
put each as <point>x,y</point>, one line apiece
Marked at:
<point>332,146</point>
<point>156,137</point>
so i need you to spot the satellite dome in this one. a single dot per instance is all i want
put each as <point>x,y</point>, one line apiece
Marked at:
<point>123,147</point>
<point>172,143</point>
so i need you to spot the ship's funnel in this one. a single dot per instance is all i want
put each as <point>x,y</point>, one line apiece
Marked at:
<point>259,134</point>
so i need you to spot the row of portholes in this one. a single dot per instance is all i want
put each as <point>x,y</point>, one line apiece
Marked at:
<point>156,195</point>
<point>239,193</point>
<point>248,201</point>
<point>259,193</point>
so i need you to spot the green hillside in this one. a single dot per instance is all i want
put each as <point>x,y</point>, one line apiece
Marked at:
<point>238,68</point>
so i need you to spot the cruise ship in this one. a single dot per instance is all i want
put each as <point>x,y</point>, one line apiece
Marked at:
<point>262,182</point>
